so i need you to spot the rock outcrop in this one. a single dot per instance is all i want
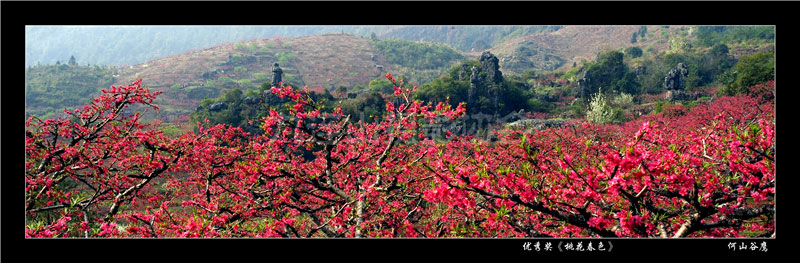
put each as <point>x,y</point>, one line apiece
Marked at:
<point>218,106</point>
<point>251,100</point>
<point>674,84</point>
<point>582,89</point>
<point>491,65</point>
<point>674,78</point>
<point>474,81</point>
<point>276,74</point>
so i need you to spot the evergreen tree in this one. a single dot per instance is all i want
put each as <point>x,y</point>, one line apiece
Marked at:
<point>751,70</point>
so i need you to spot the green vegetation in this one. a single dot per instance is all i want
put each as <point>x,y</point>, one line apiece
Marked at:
<point>710,35</point>
<point>259,76</point>
<point>609,71</point>
<point>231,115</point>
<point>198,93</point>
<point>245,107</point>
<point>445,88</point>
<point>750,70</point>
<point>285,57</point>
<point>551,92</point>
<point>679,44</point>
<point>704,68</point>
<point>633,52</point>
<point>241,46</point>
<point>615,82</point>
<point>245,83</point>
<point>50,89</point>
<point>623,100</point>
<point>417,55</point>
<point>642,31</point>
<point>227,82</point>
<point>365,107</point>
<point>381,85</point>
<point>252,47</point>
<point>599,111</point>
<point>210,84</point>
<point>464,38</point>
<point>512,92</point>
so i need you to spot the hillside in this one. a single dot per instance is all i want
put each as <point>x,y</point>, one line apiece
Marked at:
<point>464,38</point>
<point>334,60</point>
<point>320,62</point>
<point>48,88</point>
<point>101,45</point>
<point>331,61</point>
<point>559,49</point>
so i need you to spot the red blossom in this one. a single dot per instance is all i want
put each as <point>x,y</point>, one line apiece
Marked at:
<point>348,179</point>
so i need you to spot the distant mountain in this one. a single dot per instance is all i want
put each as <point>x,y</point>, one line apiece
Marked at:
<point>319,61</point>
<point>559,49</point>
<point>325,61</point>
<point>128,45</point>
<point>464,38</point>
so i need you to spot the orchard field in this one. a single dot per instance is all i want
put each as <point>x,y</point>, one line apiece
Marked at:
<point>704,171</point>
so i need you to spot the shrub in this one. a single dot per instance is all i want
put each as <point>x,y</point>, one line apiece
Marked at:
<point>633,52</point>
<point>380,85</point>
<point>751,70</point>
<point>623,100</point>
<point>599,111</point>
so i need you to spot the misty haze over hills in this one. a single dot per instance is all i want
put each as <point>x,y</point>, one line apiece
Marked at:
<point>127,45</point>
<point>119,45</point>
